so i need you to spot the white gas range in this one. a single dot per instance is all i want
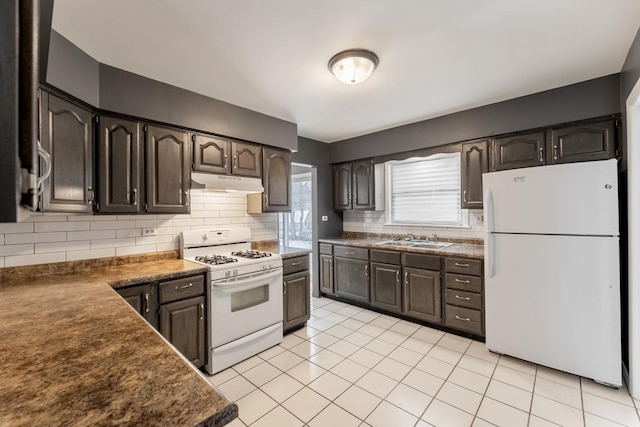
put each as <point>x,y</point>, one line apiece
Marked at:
<point>245,294</point>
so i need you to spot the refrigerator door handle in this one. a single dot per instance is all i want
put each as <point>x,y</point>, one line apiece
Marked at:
<point>490,261</point>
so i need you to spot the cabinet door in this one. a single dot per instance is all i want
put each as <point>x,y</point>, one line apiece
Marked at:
<point>167,170</point>
<point>296,301</point>
<point>246,160</point>
<point>341,175</point>
<point>579,143</point>
<point>351,279</point>
<point>363,185</point>
<point>326,274</point>
<point>66,135</point>
<point>144,299</point>
<point>211,154</point>
<point>276,179</point>
<point>518,151</point>
<point>182,324</point>
<point>386,287</point>
<point>120,166</point>
<point>475,162</point>
<point>422,294</point>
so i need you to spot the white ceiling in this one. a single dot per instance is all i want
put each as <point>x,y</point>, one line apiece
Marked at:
<point>436,56</point>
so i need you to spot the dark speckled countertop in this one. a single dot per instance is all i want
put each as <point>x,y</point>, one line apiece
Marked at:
<point>73,352</point>
<point>458,249</point>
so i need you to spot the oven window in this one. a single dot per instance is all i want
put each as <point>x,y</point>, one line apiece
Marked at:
<point>249,298</point>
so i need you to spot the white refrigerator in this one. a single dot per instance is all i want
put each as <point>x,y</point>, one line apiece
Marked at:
<point>552,270</point>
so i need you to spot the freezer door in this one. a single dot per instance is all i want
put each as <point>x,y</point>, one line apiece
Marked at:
<point>555,301</point>
<point>575,198</point>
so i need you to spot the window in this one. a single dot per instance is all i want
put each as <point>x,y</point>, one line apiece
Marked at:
<point>295,228</point>
<point>424,191</point>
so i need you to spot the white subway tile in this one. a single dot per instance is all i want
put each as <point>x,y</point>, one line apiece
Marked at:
<point>112,243</point>
<point>172,230</point>
<point>153,223</point>
<point>14,261</point>
<point>132,250</point>
<point>80,217</point>
<point>49,217</point>
<point>21,238</point>
<point>8,250</point>
<point>129,232</point>
<point>192,221</point>
<point>168,246</point>
<point>135,217</point>
<point>18,227</point>
<point>182,216</point>
<point>62,246</point>
<point>61,226</point>
<point>91,235</point>
<point>1,262</point>
<point>1,239</point>
<point>149,240</point>
<point>112,225</point>
<point>196,207</point>
<point>91,254</point>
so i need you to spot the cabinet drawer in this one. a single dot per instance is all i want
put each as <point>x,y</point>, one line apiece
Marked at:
<point>385,257</point>
<point>464,282</point>
<point>173,290</point>
<point>464,318</point>
<point>464,266</point>
<point>293,265</point>
<point>424,262</point>
<point>326,248</point>
<point>350,252</point>
<point>464,299</point>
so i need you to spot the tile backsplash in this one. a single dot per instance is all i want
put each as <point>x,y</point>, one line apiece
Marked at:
<point>49,237</point>
<point>374,222</point>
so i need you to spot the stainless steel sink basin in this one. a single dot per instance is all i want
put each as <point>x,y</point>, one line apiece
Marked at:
<point>415,244</point>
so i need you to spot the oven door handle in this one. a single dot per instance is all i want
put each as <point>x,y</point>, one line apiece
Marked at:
<point>243,285</point>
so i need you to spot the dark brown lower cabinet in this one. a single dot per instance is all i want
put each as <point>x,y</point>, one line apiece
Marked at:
<point>351,279</point>
<point>326,274</point>
<point>386,287</point>
<point>182,324</point>
<point>296,300</point>
<point>144,299</point>
<point>422,294</point>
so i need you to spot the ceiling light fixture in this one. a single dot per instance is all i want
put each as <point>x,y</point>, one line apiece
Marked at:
<point>353,66</point>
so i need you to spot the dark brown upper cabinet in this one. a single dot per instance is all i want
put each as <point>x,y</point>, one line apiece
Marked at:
<point>363,186</point>
<point>120,166</point>
<point>168,174</point>
<point>475,162</point>
<point>246,159</point>
<point>66,133</point>
<point>582,142</point>
<point>211,154</point>
<point>518,151</point>
<point>276,180</point>
<point>341,175</point>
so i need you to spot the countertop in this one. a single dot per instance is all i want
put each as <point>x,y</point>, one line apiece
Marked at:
<point>276,248</point>
<point>463,250</point>
<point>73,352</point>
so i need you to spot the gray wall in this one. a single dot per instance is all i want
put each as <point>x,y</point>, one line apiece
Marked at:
<point>72,70</point>
<point>583,100</point>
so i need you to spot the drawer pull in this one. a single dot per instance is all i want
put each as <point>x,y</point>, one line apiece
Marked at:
<point>349,253</point>
<point>458,264</point>
<point>463,281</point>
<point>293,264</point>
<point>146,302</point>
<point>201,311</point>
<point>463,298</point>
<point>180,288</point>
<point>466,319</point>
<point>398,276</point>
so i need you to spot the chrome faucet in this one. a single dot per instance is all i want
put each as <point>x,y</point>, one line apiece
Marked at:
<point>434,238</point>
<point>409,237</point>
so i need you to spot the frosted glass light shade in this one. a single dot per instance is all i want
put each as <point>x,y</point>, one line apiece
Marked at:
<point>353,66</point>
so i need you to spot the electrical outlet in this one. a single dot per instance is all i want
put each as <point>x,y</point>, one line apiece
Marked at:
<point>325,218</point>
<point>479,219</point>
<point>149,232</point>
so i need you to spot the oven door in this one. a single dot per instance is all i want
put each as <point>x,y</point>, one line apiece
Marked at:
<point>245,304</point>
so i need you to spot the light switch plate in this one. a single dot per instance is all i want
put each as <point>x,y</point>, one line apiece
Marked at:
<point>325,218</point>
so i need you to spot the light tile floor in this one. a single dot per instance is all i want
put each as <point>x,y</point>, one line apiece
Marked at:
<point>354,367</point>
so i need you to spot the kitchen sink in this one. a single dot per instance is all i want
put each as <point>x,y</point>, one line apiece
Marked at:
<point>415,244</point>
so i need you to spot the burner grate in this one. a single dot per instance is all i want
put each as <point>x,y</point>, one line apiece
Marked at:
<point>251,254</point>
<point>215,259</point>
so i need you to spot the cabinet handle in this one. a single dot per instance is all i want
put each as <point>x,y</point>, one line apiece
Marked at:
<point>463,298</point>
<point>366,271</point>
<point>355,201</point>
<point>47,166</point>
<point>146,302</point>
<point>201,311</point>
<point>266,200</point>
<point>463,281</point>
<point>284,289</point>
<point>406,278</point>
<point>134,197</point>
<point>457,264</point>
<point>235,162</point>
<point>555,152</point>
<point>186,198</point>
<point>183,287</point>
<point>464,197</point>
<point>93,195</point>
<point>293,264</point>
<point>466,319</point>
<point>397,276</point>
<point>541,155</point>
<point>224,165</point>
<point>349,253</point>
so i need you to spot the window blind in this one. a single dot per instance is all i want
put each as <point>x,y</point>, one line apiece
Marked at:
<point>425,191</point>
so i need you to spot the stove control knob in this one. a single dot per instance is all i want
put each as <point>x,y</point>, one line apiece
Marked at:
<point>205,236</point>
<point>235,271</point>
<point>227,273</point>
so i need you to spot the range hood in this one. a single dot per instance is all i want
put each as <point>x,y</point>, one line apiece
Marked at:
<point>226,183</point>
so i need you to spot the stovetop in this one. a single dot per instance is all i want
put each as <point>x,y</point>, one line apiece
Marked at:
<point>251,254</point>
<point>215,259</point>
